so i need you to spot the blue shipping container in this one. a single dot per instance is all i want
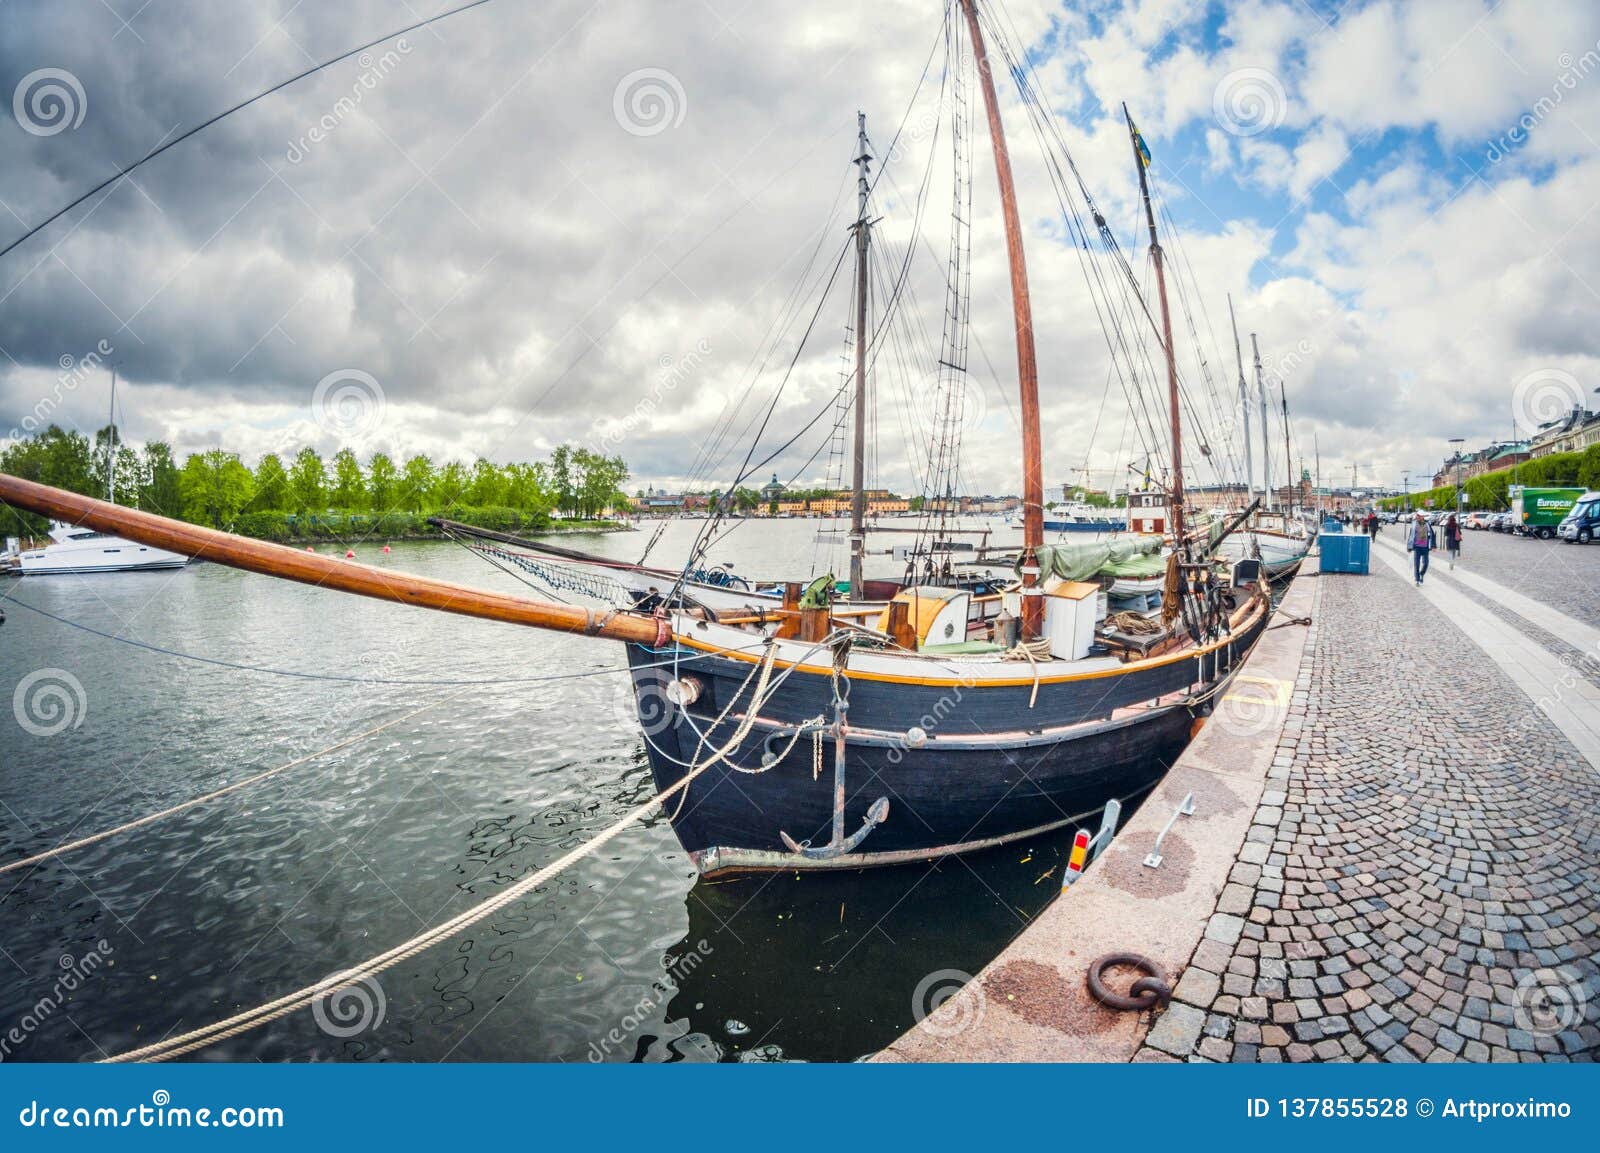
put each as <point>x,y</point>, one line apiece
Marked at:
<point>1345,552</point>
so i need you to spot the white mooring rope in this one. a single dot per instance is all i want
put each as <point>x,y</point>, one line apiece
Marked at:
<point>96,838</point>
<point>283,1006</point>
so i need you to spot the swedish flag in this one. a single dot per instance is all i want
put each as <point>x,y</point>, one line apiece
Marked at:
<point>1139,145</point>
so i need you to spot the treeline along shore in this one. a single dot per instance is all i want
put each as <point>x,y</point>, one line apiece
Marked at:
<point>304,499</point>
<point>1491,492</point>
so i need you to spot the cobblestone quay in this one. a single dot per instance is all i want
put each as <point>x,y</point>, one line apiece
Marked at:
<point>1421,881</point>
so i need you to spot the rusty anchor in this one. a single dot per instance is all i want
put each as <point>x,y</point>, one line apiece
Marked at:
<point>878,812</point>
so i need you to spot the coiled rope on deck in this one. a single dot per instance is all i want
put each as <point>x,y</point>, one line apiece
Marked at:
<point>283,1006</point>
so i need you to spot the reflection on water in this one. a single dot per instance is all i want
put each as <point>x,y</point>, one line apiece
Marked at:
<point>624,957</point>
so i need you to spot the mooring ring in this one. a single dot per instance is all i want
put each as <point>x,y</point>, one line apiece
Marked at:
<point>1147,992</point>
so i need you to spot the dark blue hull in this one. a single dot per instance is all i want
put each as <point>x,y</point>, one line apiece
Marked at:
<point>990,769</point>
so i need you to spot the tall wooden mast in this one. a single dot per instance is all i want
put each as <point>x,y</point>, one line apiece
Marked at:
<point>1288,463</point>
<point>1027,364</point>
<point>858,491</point>
<point>1179,537</point>
<point>1266,449</point>
<point>1244,405</point>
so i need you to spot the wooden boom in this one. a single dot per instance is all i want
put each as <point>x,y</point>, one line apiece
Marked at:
<point>278,560</point>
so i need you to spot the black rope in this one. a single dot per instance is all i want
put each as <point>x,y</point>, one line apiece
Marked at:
<point>204,124</point>
<point>299,675</point>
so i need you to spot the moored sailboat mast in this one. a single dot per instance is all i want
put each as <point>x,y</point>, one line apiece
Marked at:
<point>1289,479</point>
<point>1027,364</point>
<point>1266,452</point>
<point>858,492</point>
<point>1244,405</point>
<point>1179,536</point>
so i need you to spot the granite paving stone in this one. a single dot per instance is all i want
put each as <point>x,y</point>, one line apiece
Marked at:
<point>1421,881</point>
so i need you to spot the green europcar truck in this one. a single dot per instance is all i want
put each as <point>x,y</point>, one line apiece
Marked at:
<point>1537,511</point>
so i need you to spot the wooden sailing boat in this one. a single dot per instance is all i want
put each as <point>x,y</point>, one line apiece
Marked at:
<point>938,743</point>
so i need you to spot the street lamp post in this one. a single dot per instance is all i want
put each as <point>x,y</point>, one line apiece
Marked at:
<point>1458,442</point>
<point>1405,479</point>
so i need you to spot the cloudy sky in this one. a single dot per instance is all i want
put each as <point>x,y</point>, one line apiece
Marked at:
<point>587,221</point>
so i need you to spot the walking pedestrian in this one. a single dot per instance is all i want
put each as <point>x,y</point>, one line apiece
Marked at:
<point>1420,541</point>
<point>1452,540</point>
<point>1372,524</point>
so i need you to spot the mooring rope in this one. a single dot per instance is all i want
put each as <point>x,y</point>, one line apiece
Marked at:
<point>150,819</point>
<point>272,1010</point>
<point>301,675</point>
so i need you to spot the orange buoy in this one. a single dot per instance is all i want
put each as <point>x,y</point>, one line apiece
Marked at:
<point>385,548</point>
<point>349,554</point>
<point>310,549</point>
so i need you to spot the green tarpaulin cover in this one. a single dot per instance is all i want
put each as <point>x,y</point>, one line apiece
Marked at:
<point>1069,560</point>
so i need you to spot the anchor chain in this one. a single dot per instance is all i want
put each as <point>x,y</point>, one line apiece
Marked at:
<point>1148,992</point>
<point>839,843</point>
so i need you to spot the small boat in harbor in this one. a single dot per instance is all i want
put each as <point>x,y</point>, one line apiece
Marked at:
<point>74,549</point>
<point>1081,517</point>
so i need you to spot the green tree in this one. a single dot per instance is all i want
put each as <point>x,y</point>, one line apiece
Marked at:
<point>382,483</point>
<point>216,487</point>
<point>488,486</point>
<point>308,483</point>
<point>349,492</point>
<point>416,484</point>
<point>449,485</point>
<point>272,485</point>
<point>561,478</point>
<point>161,492</point>
<point>54,457</point>
<point>130,475</point>
<point>526,488</point>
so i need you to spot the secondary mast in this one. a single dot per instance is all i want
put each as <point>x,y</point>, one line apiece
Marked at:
<point>1288,460</point>
<point>1266,453</point>
<point>858,492</point>
<point>1140,160</point>
<point>1027,364</point>
<point>111,442</point>
<point>1244,407</point>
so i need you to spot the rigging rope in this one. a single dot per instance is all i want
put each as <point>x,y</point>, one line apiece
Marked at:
<point>299,675</point>
<point>272,1010</point>
<point>151,818</point>
<point>204,124</point>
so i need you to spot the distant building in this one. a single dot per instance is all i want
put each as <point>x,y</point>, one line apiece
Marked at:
<point>1496,456</point>
<point>1572,433</point>
<point>773,490</point>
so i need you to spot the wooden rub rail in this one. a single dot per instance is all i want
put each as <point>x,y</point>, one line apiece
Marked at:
<point>278,560</point>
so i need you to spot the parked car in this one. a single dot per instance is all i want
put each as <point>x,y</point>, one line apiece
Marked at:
<point>1582,524</point>
<point>1502,522</point>
<point>1479,520</point>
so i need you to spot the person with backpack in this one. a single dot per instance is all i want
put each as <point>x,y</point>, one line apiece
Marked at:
<point>1452,539</point>
<point>1420,541</point>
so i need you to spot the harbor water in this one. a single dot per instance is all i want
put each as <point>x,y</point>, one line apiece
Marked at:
<point>626,956</point>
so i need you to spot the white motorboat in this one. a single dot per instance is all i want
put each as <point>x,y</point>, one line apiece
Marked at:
<point>1280,548</point>
<point>79,549</point>
<point>74,549</point>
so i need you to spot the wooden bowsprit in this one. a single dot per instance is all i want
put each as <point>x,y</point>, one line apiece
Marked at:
<point>278,560</point>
